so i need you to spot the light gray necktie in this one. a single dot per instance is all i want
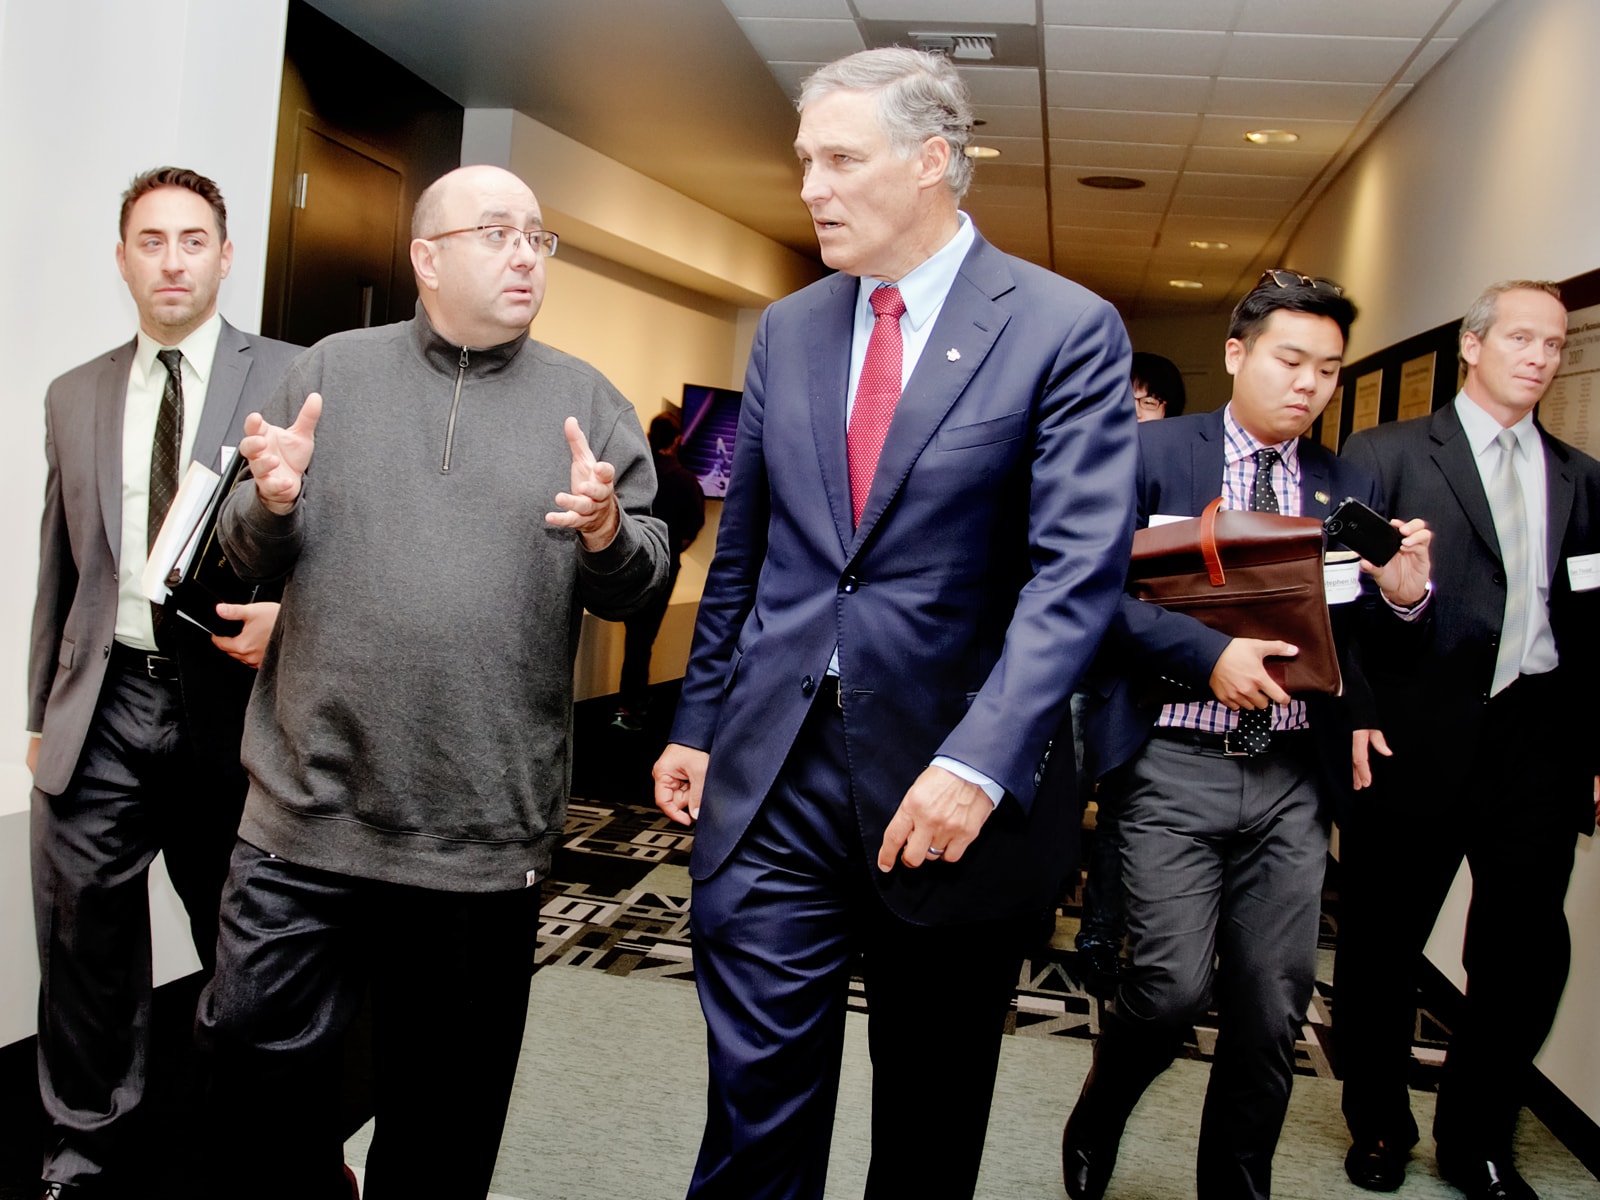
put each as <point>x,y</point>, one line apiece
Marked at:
<point>1511,525</point>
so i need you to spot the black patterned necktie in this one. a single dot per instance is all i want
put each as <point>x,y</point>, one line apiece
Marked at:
<point>1255,724</point>
<point>166,449</point>
<point>167,446</point>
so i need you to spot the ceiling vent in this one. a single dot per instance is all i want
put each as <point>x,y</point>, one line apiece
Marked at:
<point>966,47</point>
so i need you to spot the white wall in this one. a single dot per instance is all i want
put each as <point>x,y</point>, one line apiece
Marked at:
<point>92,92</point>
<point>1489,171</point>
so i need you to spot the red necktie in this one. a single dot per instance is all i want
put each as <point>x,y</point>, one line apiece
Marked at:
<point>876,395</point>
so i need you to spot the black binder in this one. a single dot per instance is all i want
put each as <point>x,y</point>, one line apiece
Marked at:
<point>209,579</point>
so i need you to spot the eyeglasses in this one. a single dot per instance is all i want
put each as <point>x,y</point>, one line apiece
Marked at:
<point>499,238</point>
<point>1148,403</point>
<point>1288,279</point>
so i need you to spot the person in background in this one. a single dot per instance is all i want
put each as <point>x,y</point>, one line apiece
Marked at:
<point>1490,755</point>
<point>136,713</point>
<point>1224,799</point>
<point>1157,392</point>
<point>1157,386</point>
<point>681,504</point>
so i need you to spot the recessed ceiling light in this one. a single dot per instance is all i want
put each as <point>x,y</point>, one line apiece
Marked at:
<point>1185,283</point>
<point>1208,245</point>
<point>1271,137</point>
<point>1115,183</point>
<point>981,152</point>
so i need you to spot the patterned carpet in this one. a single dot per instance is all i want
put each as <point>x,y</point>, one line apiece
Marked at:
<point>618,902</point>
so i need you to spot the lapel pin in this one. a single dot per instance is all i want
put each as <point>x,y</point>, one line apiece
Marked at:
<point>1322,497</point>
<point>952,354</point>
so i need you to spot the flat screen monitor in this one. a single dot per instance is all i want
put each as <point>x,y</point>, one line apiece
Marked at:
<point>710,420</point>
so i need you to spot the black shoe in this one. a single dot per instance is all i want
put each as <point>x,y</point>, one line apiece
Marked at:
<point>1485,1179</point>
<point>1086,1161</point>
<point>1099,964</point>
<point>1376,1165</point>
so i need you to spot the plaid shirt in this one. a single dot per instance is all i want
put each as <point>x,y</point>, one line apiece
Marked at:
<point>1238,474</point>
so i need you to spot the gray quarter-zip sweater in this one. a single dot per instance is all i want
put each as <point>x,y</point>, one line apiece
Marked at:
<point>411,719</point>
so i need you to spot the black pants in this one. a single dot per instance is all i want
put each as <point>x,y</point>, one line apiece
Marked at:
<point>1398,857</point>
<point>775,932</point>
<point>140,787</point>
<point>639,636</point>
<point>448,973</point>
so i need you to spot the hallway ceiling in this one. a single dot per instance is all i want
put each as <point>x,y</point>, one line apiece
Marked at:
<point>696,94</point>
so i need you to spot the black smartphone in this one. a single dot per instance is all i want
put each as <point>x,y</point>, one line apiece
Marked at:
<point>1356,527</point>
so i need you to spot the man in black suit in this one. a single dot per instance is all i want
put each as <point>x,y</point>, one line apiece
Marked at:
<point>1490,753</point>
<point>136,714</point>
<point>1223,802</point>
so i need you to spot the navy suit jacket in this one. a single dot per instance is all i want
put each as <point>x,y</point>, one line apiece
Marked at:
<point>989,557</point>
<point>1180,472</point>
<point>1425,467</point>
<point>80,543</point>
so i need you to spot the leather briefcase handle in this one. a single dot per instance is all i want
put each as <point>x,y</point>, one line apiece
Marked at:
<point>1208,543</point>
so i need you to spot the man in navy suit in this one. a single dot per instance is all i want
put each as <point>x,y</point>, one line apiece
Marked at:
<point>1223,802</point>
<point>885,649</point>
<point>1494,754</point>
<point>136,723</point>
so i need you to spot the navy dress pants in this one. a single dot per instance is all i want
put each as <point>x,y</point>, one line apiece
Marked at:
<point>775,932</point>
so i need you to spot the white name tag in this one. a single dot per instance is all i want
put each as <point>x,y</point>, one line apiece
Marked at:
<point>1166,519</point>
<point>1583,572</point>
<point>1341,577</point>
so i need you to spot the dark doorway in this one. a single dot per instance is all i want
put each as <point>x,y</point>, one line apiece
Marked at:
<point>343,227</point>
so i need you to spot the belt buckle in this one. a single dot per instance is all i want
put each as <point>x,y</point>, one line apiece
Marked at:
<point>159,668</point>
<point>1227,746</point>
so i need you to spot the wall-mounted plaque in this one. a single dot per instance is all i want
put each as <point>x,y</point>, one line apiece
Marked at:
<point>1368,389</point>
<point>1416,387</point>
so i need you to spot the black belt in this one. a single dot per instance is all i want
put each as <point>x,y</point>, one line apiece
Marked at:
<point>1220,743</point>
<point>150,665</point>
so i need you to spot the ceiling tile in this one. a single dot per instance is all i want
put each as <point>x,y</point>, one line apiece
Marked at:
<point>1143,222</point>
<point>1228,206</point>
<point>1116,156</point>
<point>1289,100</point>
<point>1013,151</point>
<point>1136,51</point>
<point>1324,137</point>
<point>1002,195</point>
<point>1009,120</point>
<point>1250,159</point>
<point>998,172</point>
<point>1147,93</point>
<point>1002,85</point>
<point>1109,239</point>
<point>1155,182</point>
<point>1237,230</point>
<point>1465,15</point>
<point>1376,18</point>
<point>1147,14</point>
<point>1290,56</point>
<point>783,39</point>
<point>789,8</point>
<point>1069,193</point>
<point>999,12</point>
<point>1432,52</point>
<point>1103,125</point>
<point>791,75</point>
<point>1260,187</point>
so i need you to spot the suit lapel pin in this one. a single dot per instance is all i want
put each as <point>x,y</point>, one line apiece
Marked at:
<point>1322,497</point>
<point>952,354</point>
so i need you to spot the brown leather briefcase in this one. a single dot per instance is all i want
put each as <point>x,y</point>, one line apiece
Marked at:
<point>1246,574</point>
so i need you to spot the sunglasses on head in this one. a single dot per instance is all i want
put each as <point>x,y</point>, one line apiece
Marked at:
<point>1279,277</point>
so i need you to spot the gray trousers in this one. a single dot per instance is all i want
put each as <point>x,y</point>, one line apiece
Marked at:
<point>1222,868</point>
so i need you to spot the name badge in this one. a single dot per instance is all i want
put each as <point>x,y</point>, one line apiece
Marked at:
<point>1341,577</point>
<point>1583,572</point>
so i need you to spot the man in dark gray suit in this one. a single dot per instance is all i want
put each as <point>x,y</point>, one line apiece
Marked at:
<point>135,714</point>
<point>1491,754</point>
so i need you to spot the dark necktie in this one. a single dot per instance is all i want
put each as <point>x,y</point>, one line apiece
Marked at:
<point>877,393</point>
<point>166,448</point>
<point>1255,724</point>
